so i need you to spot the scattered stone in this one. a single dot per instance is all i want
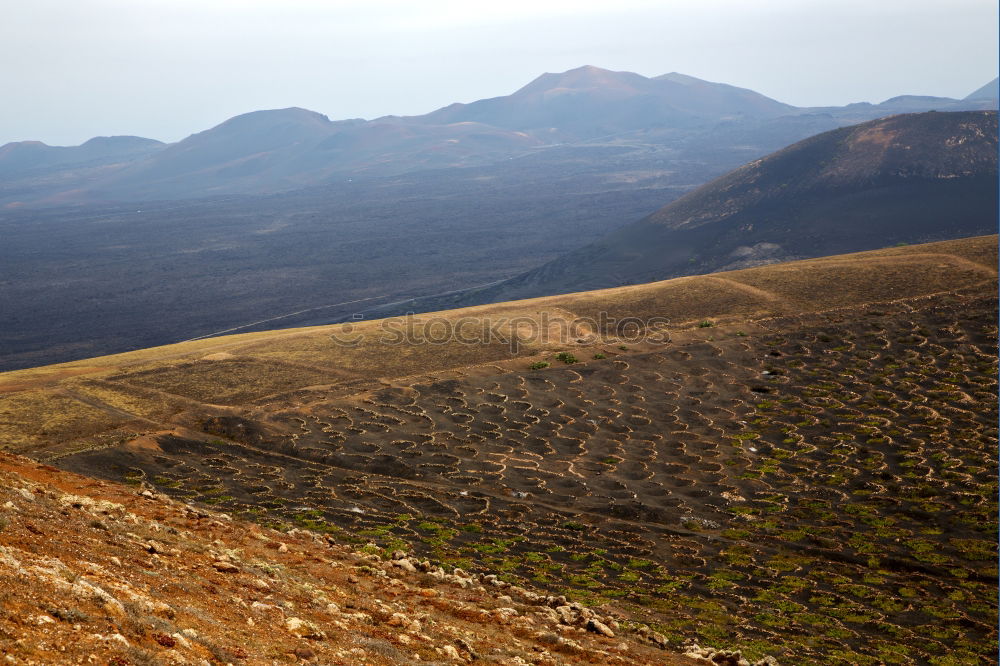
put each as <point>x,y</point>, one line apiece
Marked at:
<point>450,652</point>
<point>707,655</point>
<point>405,565</point>
<point>225,567</point>
<point>161,609</point>
<point>464,645</point>
<point>304,653</point>
<point>599,627</point>
<point>303,629</point>
<point>566,615</point>
<point>259,584</point>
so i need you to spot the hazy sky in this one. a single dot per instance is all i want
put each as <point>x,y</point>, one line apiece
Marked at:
<point>73,69</point>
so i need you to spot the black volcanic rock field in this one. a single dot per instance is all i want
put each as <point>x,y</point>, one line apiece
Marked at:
<point>815,482</point>
<point>86,282</point>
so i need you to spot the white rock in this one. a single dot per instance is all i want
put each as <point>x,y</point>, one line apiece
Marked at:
<point>398,620</point>
<point>566,615</point>
<point>302,628</point>
<point>405,565</point>
<point>599,627</point>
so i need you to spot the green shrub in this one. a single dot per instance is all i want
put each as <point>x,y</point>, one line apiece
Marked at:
<point>599,356</point>
<point>706,324</point>
<point>538,365</point>
<point>566,357</point>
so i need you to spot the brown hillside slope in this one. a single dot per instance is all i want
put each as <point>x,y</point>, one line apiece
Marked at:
<point>91,403</point>
<point>96,573</point>
<point>797,459</point>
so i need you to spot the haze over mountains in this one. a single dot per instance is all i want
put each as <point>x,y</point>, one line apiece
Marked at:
<point>903,179</point>
<point>27,155</point>
<point>284,149</point>
<point>990,91</point>
<point>408,211</point>
<point>590,102</point>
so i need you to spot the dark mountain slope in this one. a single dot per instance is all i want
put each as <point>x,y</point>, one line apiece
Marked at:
<point>902,179</point>
<point>990,91</point>
<point>723,98</point>
<point>249,146</point>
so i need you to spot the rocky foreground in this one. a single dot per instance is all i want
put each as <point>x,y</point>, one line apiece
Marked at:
<point>96,573</point>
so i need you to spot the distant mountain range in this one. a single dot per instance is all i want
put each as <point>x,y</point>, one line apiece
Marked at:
<point>21,157</point>
<point>990,91</point>
<point>286,218</point>
<point>902,179</point>
<point>286,149</point>
<point>589,102</point>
